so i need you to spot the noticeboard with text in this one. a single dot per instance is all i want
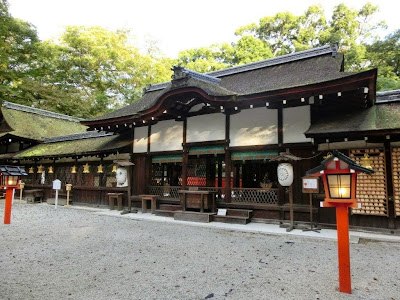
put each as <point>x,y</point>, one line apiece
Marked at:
<point>310,184</point>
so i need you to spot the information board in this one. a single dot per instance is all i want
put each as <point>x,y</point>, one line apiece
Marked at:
<point>310,185</point>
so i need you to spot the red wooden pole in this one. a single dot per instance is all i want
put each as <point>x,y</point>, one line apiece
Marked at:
<point>7,206</point>
<point>342,223</point>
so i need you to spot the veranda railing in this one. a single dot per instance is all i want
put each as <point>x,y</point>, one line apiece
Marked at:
<point>257,196</point>
<point>238,195</point>
<point>165,192</point>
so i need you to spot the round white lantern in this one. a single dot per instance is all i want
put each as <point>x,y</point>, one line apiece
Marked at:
<point>122,177</point>
<point>285,174</point>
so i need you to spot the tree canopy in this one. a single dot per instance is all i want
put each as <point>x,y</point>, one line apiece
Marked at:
<point>89,71</point>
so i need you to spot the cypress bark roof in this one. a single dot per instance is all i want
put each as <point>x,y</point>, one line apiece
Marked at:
<point>388,96</point>
<point>381,116</point>
<point>298,69</point>
<point>36,124</point>
<point>76,145</point>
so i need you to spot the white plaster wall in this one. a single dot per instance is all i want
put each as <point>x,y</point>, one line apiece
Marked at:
<point>166,136</point>
<point>205,128</point>
<point>258,126</point>
<point>140,139</point>
<point>296,121</point>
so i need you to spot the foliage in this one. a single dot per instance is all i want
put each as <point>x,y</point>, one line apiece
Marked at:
<point>352,30</point>
<point>87,72</point>
<point>18,44</point>
<point>99,67</point>
<point>385,55</point>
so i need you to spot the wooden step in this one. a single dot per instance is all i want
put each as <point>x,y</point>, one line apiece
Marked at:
<point>239,212</point>
<point>170,207</point>
<point>192,216</point>
<point>165,213</point>
<point>231,219</point>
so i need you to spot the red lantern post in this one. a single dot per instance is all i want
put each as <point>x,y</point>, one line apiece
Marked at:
<point>10,178</point>
<point>339,176</point>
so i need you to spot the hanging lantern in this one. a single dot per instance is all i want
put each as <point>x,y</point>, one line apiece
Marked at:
<point>366,161</point>
<point>86,168</point>
<point>40,169</point>
<point>285,174</point>
<point>31,171</point>
<point>73,169</point>
<point>114,169</point>
<point>100,169</point>
<point>51,171</point>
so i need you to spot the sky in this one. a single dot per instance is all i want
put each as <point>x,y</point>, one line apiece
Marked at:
<point>176,25</point>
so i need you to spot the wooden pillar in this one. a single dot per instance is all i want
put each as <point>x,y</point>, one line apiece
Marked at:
<point>185,159</point>
<point>228,161</point>
<point>220,174</point>
<point>129,195</point>
<point>389,184</point>
<point>210,172</point>
<point>280,126</point>
<point>342,221</point>
<point>54,170</point>
<point>77,170</point>
<point>35,171</point>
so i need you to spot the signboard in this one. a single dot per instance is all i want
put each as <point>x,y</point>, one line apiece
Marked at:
<point>221,212</point>
<point>310,185</point>
<point>57,184</point>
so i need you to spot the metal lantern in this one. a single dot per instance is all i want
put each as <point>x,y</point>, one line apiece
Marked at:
<point>73,169</point>
<point>339,185</point>
<point>114,169</point>
<point>100,169</point>
<point>339,176</point>
<point>10,179</point>
<point>31,171</point>
<point>86,168</point>
<point>51,170</point>
<point>366,161</point>
<point>40,169</point>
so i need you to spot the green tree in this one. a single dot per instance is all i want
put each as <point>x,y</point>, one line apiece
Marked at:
<point>385,55</point>
<point>348,27</point>
<point>100,68</point>
<point>206,59</point>
<point>18,44</point>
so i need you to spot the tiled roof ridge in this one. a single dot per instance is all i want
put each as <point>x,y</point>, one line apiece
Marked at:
<point>39,111</point>
<point>77,136</point>
<point>291,57</point>
<point>388,96</point>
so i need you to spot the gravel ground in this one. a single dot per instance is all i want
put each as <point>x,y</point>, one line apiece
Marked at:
<point>79,254</point>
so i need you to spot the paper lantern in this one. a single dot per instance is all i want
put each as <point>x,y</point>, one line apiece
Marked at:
<point>285,174</point>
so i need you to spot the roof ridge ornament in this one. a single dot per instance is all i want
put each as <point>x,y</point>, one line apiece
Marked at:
<point>182,75</point>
